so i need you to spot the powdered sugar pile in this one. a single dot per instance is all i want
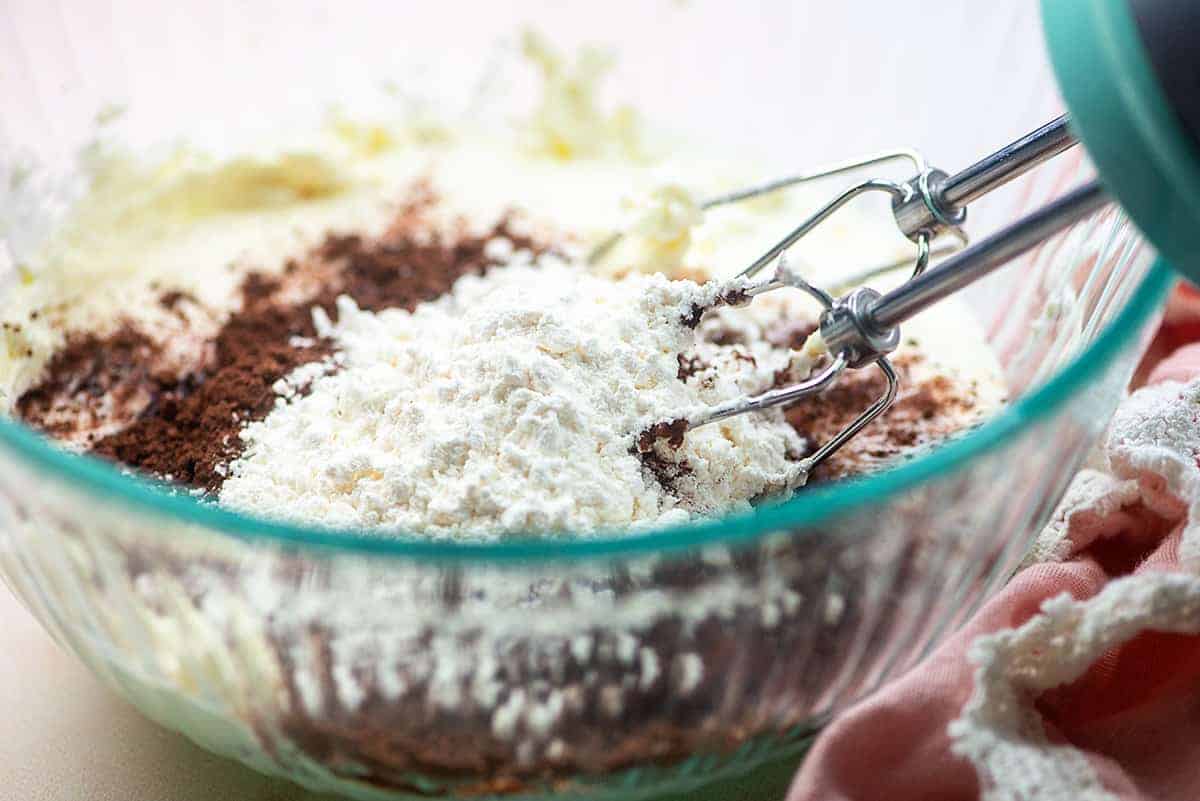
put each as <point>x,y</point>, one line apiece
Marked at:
<point>515,403</point>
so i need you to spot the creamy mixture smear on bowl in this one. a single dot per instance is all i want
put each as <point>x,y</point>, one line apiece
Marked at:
<point>393,326</point>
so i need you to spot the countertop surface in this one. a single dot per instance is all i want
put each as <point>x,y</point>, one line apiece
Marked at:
<point>65,737</point>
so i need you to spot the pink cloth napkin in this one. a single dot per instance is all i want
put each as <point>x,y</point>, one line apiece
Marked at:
<point>1081,679</point>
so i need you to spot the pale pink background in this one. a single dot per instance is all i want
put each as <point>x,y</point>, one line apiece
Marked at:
<point>65,737</point>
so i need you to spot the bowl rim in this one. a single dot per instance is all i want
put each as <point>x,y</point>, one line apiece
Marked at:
<point>111,483</point>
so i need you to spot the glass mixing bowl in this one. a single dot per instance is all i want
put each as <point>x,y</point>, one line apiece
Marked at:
<point>628,666</point>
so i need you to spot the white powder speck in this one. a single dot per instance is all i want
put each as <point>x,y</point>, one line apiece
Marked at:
<point>506,718</point>
<point>834,606</point>
<point>542,717</point>
<point>581,648</point>
<point>444,689</point>
<point>612,700</point>
<point>688,671</point>
<point>485,688</point>
<point>307,683</point>
<point>791,601</point>
<point>626,647</point>
<point>392,683</point>
<point>650,669</point>
<point>573,698</point>
<point>349,689</point>
<point>498,249</point>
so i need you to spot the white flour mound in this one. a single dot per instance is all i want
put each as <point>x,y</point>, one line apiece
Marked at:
<point>513,404</point>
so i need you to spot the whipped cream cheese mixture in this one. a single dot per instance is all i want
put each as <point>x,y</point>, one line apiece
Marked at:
<point>290,334</point>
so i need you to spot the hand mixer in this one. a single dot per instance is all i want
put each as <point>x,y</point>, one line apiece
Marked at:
<point>860,328</point>
<point>1128,71</point>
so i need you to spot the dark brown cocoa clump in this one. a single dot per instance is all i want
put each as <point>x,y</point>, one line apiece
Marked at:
<point>669,431</point>
<point>171,299</point>
<point>94,381</point>
<point>192,429</point>
<point>731,297</point>
<point>922,413</point>
<point>688,366</point>
<point>692,318</point>
<point>665,471</point>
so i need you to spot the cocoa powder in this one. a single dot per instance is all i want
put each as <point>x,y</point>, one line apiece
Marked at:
<point>94,382</point>
<point>666,472</point>
<point>921,414</point>
<point>184,426</point>
<point>191,432</point>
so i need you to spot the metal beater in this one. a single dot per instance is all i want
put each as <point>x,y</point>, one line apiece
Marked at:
<point>861,327</point>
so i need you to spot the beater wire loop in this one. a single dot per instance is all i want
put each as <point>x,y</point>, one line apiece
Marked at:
<point>859,326</point>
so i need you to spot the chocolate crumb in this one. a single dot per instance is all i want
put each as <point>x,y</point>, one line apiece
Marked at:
<point>91,382</point>
<point>734,297</point>
<point>689,366</point>
<point>726,337</point>
<point>171,299</point>
<point>731,297</point>
<point>665,471</point>
<point>190,432</point>
<point>920,415</point>
<point>740,354</point>
<point>670,431</point>
<point>790,333</point>
<point>692,318</point>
